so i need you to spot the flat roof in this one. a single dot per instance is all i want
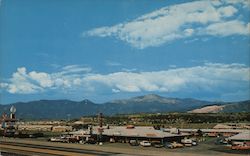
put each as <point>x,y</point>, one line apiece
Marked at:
<point>140,131</point>
<point>210,130</point>
<point>244,136</point>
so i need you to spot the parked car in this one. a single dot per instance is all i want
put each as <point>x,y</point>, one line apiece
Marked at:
<point>168,145</point>
<point>58,139</point>
<point>157,144</point>
<point>133,143</point>
<point>145,143</point>
<point>112,140</point>
<point>187,142</point>
<point>177,145</point>
<point>194,143</point>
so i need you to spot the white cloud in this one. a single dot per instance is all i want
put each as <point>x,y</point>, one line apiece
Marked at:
<point>227,28</point>
<point>4,85</point>
<point>129,70</point>
<point>227,11</point>
<point>19,83</point>
<point>176,22</point>
<point>211,77</point>
<point>33,82</point>
<point>75,69</point>
<point>188,32</point>
<point>204,78</point>
<point>42,78</point>
<point>192,40</point>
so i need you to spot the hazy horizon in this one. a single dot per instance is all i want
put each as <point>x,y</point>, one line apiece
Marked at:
<point>125,98</point>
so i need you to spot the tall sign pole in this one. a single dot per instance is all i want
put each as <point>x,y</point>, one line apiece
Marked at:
<point>100,129</point>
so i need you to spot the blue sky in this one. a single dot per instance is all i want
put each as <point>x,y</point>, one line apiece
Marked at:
<point>62,49</point>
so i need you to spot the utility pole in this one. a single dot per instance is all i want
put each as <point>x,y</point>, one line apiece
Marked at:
<point>100,129</point>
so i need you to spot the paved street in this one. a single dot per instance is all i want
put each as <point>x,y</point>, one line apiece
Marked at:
<point>116,149</point>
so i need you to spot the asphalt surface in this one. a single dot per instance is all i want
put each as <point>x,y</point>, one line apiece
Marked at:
<point>44,148</point>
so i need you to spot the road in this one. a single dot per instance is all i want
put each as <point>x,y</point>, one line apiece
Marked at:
<point>44,148</point>
<point>27,149</point>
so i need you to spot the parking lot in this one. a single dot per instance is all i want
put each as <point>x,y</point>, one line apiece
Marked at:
<point>207,147</point>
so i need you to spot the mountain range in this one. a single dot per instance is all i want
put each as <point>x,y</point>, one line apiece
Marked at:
<point>62,109</point>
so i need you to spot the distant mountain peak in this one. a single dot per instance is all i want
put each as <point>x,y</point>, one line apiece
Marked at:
<point>152,98</point>
<point>149,98</point>
<point>86,101</point>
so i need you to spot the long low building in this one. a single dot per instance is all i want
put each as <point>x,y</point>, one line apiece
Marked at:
<point>44,128</point>
<point>241,137</point>
<point>126,133</point>
<point>240,141</point>
<point>34,127</point>
<point>62,128</point>
<point>212,132</point>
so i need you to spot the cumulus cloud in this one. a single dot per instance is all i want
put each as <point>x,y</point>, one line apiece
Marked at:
<point>178,21</point>
<point>23,82</point>
<point>211,77</point>
<point>20,83</point>
<point>42,78</point>
<point>227,28</point>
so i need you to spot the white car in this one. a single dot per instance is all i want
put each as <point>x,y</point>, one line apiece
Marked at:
<point>194,143</point>
<point>187,142</point>
<point>55,139</point>
<point>145,143</point>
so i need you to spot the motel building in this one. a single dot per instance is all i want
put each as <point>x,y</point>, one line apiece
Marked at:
<point>241,141</point>
<point>126,133</point>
